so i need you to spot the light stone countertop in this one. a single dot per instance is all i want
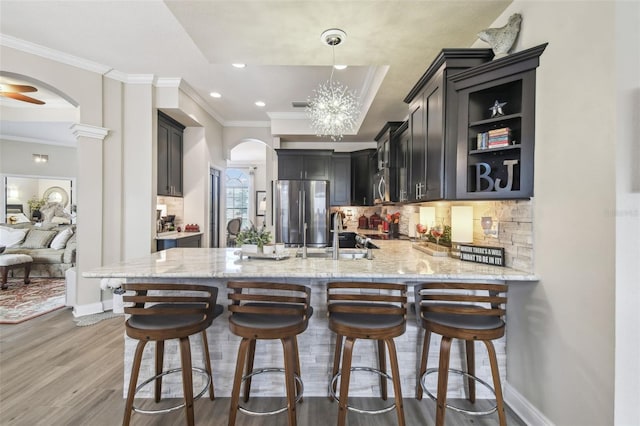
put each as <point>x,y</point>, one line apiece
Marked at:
<point>394,260</point>
<point>175,235</point>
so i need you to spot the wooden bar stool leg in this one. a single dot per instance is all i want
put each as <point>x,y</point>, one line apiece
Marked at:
<point>344,380</point>
<point>397,388</point>
<point>497,387</point>
<point>423,362</point>
<point>382,366</point>
<point>207,363</point>
<point>288,346</point>
<point>237,380</point>
<point>133,381</point>
<point>187,379</point>
<point>443,377</point>
<point>471,368</point>
<point>159,366</point>
<point>298,370</point>
<point>336,362</point>
<point>250,358</point>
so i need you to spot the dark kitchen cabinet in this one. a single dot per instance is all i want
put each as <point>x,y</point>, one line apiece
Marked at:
<point>340,187</point>
<point>387,159</point>
<point>496,127</point>
<point>363,168</point>
<point>170,134</point>
<point>402,140</point>
<point>432,126</point>
<point>183,240</point>
<point>304,164</point>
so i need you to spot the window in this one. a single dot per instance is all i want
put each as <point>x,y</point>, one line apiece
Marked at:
<point>237,202</point>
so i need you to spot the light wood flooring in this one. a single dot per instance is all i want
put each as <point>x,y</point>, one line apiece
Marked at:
<point>55,373</point>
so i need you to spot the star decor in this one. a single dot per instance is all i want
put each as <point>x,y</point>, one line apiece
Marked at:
<point>496,109</point>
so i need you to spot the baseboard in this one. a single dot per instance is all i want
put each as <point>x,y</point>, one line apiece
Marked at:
<point>107,305</point>
<point>523,408</point>
<point>88,309</point>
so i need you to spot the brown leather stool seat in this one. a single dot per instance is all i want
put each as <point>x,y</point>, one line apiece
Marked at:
<point>466,311</point>
<point>264,310</point>
<point>362,310</point>
<point>172,311</point>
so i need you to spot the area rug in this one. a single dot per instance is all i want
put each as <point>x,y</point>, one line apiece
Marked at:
<point>95,318</point>
<point>20,302</point>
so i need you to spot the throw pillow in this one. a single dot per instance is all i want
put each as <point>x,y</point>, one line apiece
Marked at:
<point>11,237</point>
<point>60,240</point>
<point>37,239</point>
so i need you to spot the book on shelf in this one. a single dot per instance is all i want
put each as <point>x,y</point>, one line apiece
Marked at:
<point>499,132</point>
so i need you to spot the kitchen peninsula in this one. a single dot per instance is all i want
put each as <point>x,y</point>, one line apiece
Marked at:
<point>395,261</point>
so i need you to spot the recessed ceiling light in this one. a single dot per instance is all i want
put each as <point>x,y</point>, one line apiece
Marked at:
<point>239,65</point>
<point>215,95</point>
<point>260,103</point>
<point>340,67</point>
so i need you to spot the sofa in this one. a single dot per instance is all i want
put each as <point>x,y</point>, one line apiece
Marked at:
<point>51,246</point>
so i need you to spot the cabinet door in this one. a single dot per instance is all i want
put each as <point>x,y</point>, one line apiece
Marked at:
<point>290,166</point>
<point>404,140</point>
<point>434,160</point>
<point>175,162</point>
<point>317,167</point>
<point>340,186</point>
<point>417,183</point>
<point>363,167</point>
<point>163,159</point>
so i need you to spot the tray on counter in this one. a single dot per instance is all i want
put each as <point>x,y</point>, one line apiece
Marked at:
<point>272,256</point>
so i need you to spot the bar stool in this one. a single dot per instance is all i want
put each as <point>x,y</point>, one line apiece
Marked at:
<point>363,310</point>
<point>169,313</point>
<point>263,310</point>
<point>453,311</point>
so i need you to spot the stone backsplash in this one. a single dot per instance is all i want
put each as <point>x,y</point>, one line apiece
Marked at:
<point>514,217</point>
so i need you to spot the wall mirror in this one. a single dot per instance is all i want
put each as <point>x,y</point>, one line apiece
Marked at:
<point>261,203</point>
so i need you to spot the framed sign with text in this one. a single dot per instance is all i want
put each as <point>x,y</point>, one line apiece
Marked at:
<point>481,254</point>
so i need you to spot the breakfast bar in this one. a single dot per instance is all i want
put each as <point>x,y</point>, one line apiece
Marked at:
<point>394,261</point>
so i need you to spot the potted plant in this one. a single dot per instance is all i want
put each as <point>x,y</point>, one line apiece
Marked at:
<point>252,240</point>
<point>34,206</point>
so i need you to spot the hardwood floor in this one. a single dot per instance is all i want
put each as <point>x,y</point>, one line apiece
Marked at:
<point>55,373</point>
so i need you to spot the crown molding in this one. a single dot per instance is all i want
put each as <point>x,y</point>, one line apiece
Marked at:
<point>168,82</point>
<point>56,55</point>
<point>86,130</point>
<point>247,124</point>
<point>287,115</point>
<point>13,138</point>
<point>188,90</point>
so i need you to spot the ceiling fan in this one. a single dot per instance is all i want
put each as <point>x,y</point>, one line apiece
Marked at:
<point>14,91</point>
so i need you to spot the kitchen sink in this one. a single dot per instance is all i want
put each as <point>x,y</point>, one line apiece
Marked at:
<point>328,253</point>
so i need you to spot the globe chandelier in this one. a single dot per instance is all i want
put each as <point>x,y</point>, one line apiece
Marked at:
<point>333,109</point>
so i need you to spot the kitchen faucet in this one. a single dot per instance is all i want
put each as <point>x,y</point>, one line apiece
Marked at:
<point>337,228</point>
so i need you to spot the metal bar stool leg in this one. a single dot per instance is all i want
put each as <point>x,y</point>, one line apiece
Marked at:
<point>159,367</point>
<point>187,379</point>
<point>382,366</point>
<point>423,363</point>
<point>497,387</point>
<point>289,347</point>
<point>133,381</point>
<point>443,377</point>
<point>336,363</point>
<point>471,368</point>
<point>344,380</point>
<point>237,380</point>
<point>207,363</point>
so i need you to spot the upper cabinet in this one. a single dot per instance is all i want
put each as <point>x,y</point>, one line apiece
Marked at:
<point>304,164</point>
<point>388,160</point>
<point>363,167</point>
<point>402,141</point>
<point>170,134</point>
<point>432,126</point>
<point>496,124</point>
<point>340,187</point>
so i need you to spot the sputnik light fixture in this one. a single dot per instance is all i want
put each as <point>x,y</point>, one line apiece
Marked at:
<point>333,108</point>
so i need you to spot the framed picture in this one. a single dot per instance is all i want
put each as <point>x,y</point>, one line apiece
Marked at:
<point>261,203</point>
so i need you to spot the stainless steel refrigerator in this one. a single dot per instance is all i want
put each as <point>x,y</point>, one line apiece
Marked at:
<point>297,202</point>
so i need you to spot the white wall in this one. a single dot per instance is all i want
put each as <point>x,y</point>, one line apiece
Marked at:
<point>16,158</point>
<point>561,330</point>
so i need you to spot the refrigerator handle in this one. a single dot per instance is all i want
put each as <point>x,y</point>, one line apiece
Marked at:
<point>304,215</point>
